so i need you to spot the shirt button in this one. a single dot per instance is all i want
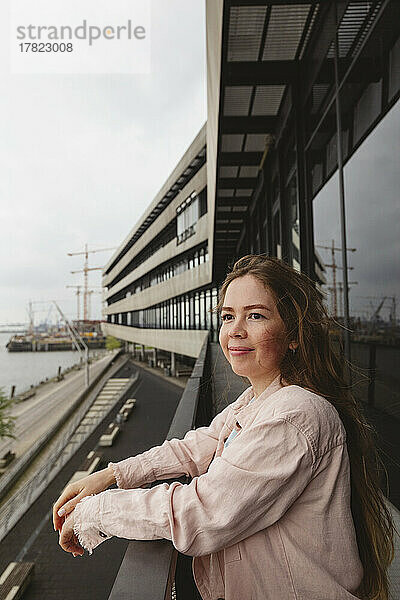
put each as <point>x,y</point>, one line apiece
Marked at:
<point>103,535</point>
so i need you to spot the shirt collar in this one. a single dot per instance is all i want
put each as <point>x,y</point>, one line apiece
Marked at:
<point>248,395</point>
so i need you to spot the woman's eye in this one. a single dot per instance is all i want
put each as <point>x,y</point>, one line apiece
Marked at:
<point>225,317</point>
<point>257,316</point>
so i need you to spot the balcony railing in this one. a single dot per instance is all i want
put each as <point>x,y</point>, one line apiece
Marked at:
<point>154,570</point>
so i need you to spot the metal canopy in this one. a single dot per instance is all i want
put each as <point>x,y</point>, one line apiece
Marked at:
<point>261,47</point>
<point>277,61</point>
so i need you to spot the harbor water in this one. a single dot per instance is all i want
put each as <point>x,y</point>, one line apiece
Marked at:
<point>24,369</point>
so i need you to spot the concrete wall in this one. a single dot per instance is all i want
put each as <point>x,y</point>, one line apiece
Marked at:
<point>188,342</point>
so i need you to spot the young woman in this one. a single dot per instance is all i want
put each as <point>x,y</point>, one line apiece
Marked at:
<point>285,500</point>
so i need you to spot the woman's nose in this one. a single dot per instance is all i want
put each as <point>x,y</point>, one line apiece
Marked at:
<point>238,330</point>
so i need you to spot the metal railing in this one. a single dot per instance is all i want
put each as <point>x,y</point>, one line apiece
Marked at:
<point>150,570</point>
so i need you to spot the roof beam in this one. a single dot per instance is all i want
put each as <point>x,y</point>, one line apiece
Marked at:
<point>242,183</point>
<point>366,70</point>
<point>284,72</point>
<point>248,124</point>
<point>269,72</point>
<point>240,158</point>
<point>233,201</point>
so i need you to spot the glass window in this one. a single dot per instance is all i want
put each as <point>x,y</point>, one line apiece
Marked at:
<point>372,181</point>
<point>367,109</point>
<point>187,313</point>
<point>293,222</point>
<point>394,69</point>
<point>208,306</point>
<point>276,235</point>
<point>175,313</point>
<point>202,311</point>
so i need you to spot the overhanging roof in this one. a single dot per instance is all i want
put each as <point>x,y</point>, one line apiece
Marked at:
<point>261,46</point>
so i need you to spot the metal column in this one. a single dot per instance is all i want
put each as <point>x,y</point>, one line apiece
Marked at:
<point>342,197</point>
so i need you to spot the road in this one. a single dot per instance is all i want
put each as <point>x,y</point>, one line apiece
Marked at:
<point>40,413</point>
<point>58,576</point>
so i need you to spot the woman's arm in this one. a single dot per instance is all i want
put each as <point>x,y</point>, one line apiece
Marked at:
<point>189,456</point>
<point>257,478</point>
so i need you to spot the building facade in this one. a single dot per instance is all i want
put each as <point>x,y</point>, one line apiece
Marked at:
<point>298,159</point>
<point>158,284</point>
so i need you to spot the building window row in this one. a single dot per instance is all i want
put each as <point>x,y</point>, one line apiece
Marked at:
<point>159,241</point>
<point>184,262</point>
<point>187,311</point>
<point>188,213</point>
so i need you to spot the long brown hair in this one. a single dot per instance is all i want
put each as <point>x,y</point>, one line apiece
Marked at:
<point>317,366</point>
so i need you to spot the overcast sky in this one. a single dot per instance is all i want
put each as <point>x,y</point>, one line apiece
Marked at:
<point>82,156</point>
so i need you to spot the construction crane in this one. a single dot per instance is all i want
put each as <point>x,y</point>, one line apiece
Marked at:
<point>85,272</point>
<point>334,268</point>
<point>78,303</point>
<point>392,310</point>
<point>392,313</point>
<point>375,315</point>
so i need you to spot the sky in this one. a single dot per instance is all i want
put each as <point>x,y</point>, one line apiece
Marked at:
<point>82,156</point>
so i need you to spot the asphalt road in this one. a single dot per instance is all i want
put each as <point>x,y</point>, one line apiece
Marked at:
<point>40,413</point>
<point>59,576</point>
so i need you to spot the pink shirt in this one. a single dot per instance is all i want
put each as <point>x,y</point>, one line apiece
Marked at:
<point>266,518</point>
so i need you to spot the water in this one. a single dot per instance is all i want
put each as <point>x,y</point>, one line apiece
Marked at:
<point>25,368</point>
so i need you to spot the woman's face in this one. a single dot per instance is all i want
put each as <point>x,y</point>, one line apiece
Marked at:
<point>252,335</point>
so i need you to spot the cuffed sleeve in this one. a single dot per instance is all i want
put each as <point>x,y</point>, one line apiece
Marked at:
<point>189,456</point>
<point>86,523</point>
<point>248,488</point>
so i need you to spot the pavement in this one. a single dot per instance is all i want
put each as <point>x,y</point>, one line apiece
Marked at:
<point>58,575</point>
<point>52,401</point>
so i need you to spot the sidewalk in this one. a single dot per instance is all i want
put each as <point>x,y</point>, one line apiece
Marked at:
<point>52,400</point>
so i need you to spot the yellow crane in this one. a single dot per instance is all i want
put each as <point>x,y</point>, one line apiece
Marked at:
<point>85,272</point>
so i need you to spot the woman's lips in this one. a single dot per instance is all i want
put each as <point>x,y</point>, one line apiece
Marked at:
<point>240,350</point>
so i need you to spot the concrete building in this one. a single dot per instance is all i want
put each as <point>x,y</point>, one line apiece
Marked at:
<point>295,92</point>
<point>159,282</point>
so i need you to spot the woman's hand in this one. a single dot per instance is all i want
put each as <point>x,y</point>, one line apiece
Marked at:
<point>74,492</point>
<point>68,540</point>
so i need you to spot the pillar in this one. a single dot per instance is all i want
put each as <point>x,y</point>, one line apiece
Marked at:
<point>173,366</point>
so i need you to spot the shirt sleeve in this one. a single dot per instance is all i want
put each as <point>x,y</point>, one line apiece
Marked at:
<point>248,488</point>
<point>189,456</point>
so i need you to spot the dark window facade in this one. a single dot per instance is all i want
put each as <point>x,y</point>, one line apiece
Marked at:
<point>187,311</point>
<point>190,259</point>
